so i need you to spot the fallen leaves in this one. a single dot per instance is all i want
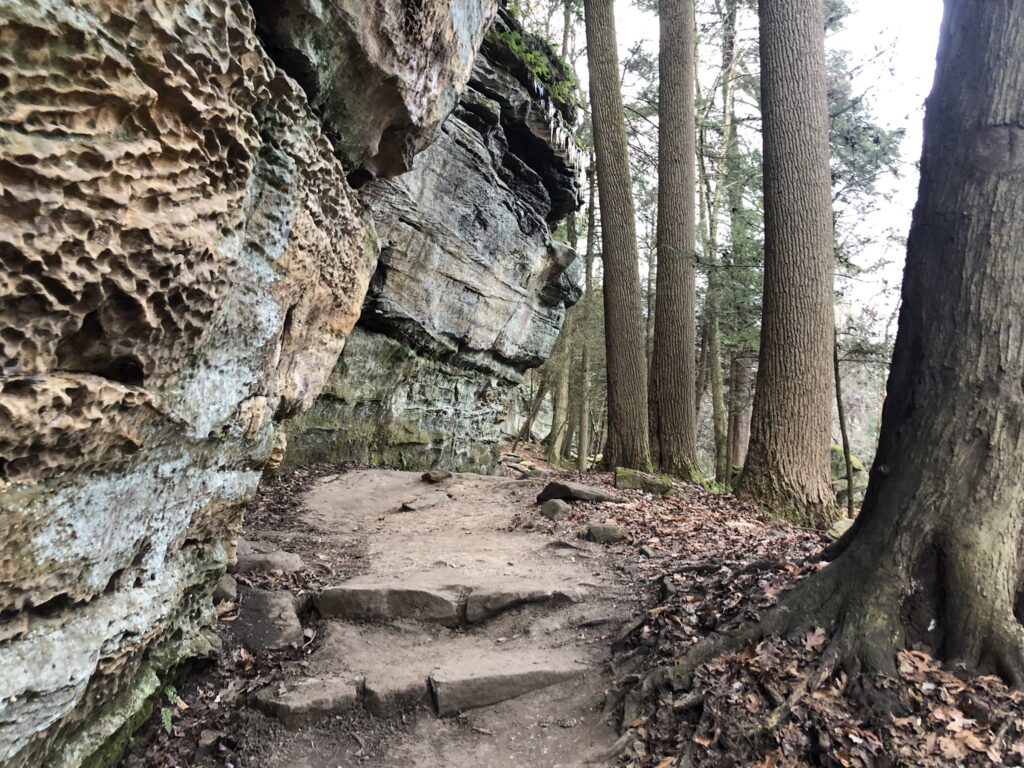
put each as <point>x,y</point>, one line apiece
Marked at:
<point>766,706</point>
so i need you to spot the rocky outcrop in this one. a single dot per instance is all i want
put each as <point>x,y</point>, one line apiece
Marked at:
<point>183,256</point>
<point>471,287</point>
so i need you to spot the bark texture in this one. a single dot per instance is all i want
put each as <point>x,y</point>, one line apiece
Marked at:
<point>627,443</point>
<point>671,405</point>
<point>787,468</point>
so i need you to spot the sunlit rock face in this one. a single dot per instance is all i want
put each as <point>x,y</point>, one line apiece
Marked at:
<point>470,289</point>
<point>182,257</point>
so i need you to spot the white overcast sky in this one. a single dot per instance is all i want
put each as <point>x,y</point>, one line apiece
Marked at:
<point>897,85</point>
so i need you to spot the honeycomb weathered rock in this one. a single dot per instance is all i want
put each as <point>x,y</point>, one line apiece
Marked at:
<point>181,260</point>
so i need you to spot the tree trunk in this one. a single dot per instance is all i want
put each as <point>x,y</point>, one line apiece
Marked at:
<point>787,469</point>
<point>702,369</point>
<point>739,415</point>
<point>935,555</point>
<point>566,27</point>
<point>584,414</point>
<point>627,444</point>
<point>718,412</point>
<point>672,413</point>
<point>526,433</point>
<point>559,400</point>
<point>841,411</point>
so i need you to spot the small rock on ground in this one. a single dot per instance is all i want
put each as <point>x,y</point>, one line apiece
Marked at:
<point>276,560</point>
<point>563,489</point>
<point>300,702</point>
<point>606,533</point>
<point>436,475</point>
<point>226,590</point>
<point>425,501</point>
<point>556,509</point>
<point>267,620</point>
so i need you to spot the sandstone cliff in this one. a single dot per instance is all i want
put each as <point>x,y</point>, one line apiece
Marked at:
<point>183,256</point>
<point>471,286</point>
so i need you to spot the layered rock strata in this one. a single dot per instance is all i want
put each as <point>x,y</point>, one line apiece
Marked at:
<point>182,256</point>
<point>471,286</point>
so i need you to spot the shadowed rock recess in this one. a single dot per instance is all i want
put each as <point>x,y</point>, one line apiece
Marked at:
<point>182,256</point>
<point>471,288</point>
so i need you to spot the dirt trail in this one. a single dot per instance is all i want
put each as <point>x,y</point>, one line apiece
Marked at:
<point>464,640</point>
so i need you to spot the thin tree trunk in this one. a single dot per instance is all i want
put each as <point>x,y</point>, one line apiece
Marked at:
<point>526,433</point>
<point>627,444</point>
<point>584,414</point>
<point>673,426</point>
<point>566,27</point>
<point>559,402</point>
<point>702,370</point>
<point>787,469</point>
<point>739,414</point>
<point>718,412</point>
<point>847,457</point>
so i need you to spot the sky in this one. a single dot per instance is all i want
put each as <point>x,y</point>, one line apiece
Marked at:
<point>897,84</point>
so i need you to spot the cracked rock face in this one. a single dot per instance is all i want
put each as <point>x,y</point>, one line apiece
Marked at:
<point>181,260</point>
<point>470,290</point>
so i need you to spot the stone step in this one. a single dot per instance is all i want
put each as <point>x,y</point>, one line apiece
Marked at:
<point>424,600</point>
<point>447,678</point>
<point>369,602</point>
<point>464,684</point>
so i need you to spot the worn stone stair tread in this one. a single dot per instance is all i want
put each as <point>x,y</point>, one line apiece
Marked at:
<point>390,691</point>
<point>431,598</point>
<point>484,604</point>
<point>463,684</point>
<point>387,602</point>
<point>303,701</point>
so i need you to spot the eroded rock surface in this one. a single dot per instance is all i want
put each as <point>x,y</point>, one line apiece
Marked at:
<point>181,259</point>
<point>470,290</point>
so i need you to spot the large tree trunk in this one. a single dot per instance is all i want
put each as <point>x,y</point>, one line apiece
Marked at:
<point>787,468</point>
<point>627,443</point>
<point>671,405</point>
<point>935,554</point>
<point>584,414</point>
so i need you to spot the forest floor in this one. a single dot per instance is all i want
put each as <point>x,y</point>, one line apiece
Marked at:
<point>469,630</point>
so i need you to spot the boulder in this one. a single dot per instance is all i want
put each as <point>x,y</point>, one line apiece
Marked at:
<point>267,621</point>
<point>556,509</point>
<point>563,489</point>
<point>606,533</point>
<point>633,479</point>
